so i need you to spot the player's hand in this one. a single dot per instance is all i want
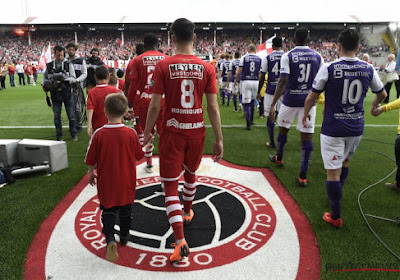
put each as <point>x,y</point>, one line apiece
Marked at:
<point>377,111</point>
<point>218,150</point>
<point>92,178</point>
<point>272,112</point>
<point>304,120</point>
<point>89,131</point>
<point>259,96</point>
<point>148,138</point>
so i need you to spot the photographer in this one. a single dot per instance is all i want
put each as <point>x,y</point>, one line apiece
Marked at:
<point>57,79</point>
<point>77,90</point>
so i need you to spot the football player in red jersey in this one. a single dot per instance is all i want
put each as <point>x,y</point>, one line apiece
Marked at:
<point>133,96</point>
<point>141,76</point>
<point>183,78</point>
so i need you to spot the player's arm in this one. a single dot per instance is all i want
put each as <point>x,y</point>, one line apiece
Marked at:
<point>89,115</point>
<point>152,116</point>
<point>380,93</point>
<point>228,78</point>
<point>376,109</point>
<point>279,90</point>
<point>219,74</point>
<point>215,120</point>
<point>318,87</point>
<point>239,72</point>
<point>308,104</point>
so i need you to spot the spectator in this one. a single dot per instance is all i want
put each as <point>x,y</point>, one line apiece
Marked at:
<point>3,74</point>
<point>11,73</point>
<point>20,72</point>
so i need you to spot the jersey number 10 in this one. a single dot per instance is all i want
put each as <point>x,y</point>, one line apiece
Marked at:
<point>351,91</point>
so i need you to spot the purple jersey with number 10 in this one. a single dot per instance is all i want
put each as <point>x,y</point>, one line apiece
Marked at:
<point>271,64</point>
<point>301,65</point>
<point>251,64</point>
<point>346,83</point>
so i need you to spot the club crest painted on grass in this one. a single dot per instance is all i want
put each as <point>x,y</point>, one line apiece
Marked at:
<point>245,225</point>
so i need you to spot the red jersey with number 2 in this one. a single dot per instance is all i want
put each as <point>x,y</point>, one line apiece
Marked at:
<point>184,79</point>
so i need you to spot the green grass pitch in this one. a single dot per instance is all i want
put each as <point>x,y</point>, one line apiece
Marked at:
<point>25,204</point>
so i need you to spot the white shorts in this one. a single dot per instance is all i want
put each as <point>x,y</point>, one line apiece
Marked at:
<point>248,90</point>
<point>225,85</point>
<point>220,82</point>
<point>287,115</point>
<point>268,98</point>
<point>335,150</point>
<point>232,88</point>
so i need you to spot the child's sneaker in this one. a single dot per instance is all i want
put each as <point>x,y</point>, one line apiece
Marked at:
<point>181,250</point>
<point>112,252</point>
<point>149,168</point>
<point>336,223</point>
<point>187,218</point>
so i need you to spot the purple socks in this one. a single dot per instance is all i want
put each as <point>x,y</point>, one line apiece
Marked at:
<point>334,190</point>
<point>306,151</point>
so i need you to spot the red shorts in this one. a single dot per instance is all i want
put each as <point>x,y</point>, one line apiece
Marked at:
<point>178,153</point>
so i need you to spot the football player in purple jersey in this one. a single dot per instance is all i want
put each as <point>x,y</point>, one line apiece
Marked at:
<point>345,82</point>
<point>223,74</point>
<point>271,64</point>
<point>219,78</point>
<point>249,69</point>
<point>298,69</point>
<point>233,67</point>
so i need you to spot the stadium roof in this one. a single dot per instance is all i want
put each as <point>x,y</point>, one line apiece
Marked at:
<point>158,11</point>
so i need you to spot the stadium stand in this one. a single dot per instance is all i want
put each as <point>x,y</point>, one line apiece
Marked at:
<point>15,48</point>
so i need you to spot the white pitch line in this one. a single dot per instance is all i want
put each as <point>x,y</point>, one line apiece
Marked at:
<point>207,126</point>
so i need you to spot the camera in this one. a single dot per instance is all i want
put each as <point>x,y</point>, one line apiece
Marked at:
<point>55,83</point>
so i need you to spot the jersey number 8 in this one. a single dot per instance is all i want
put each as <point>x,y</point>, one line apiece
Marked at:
<point>187,88</point>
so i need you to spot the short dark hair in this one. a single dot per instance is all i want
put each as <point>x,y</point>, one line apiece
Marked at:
<point>150,41</point>
<point>252,48</point>
<point>301,36</point>
<point>222,56</point>
<point>139,49</point>
<point>349,39</point>
<point>120,73</point>
<point>116,104</point>
<point>58,49</point>
<point>277,42</point>
<point>101,73</point>
<point>183,30</point>
<point>237,54</point>
<point>94,50</point>
<point>72,45</point>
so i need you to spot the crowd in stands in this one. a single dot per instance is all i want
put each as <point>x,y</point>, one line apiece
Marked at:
<point>14,48</point>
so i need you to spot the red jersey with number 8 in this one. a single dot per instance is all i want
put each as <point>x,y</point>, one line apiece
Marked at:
<point>184,79</point>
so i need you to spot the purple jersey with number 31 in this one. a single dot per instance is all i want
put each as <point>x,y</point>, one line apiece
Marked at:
<point>301,65</point>
<point>346,84</point>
